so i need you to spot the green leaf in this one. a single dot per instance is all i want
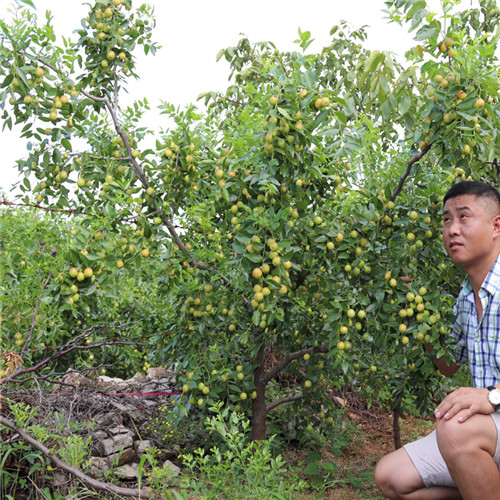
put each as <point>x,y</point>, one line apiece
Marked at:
<point>386,109</point>
<point>316,481</point>
<point>252,257</point>
<point>285,113</point>
<point>256,317</point>
<point>27,2</point>
<point>330,467</point>
<point>379,296</point>
<point>66,144</point>
<point>314,456</point>
<point>311,469</point>
<point>427,33</point>
<point>147,230</point>
<point>350,105</point>
<point>404,104</point>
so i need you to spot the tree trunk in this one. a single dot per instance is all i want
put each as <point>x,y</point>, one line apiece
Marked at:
<point>259,412</point>
<point>396,413</point>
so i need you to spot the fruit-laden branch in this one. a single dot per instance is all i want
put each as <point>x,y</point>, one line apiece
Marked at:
<point>89,481</point>
<point>142,176</point>
<point>279,367</point>
<point>48,209</point>
<point>410,164</point>
<point>76,212</point>
<point>33,318</point>
<point>63,350</point>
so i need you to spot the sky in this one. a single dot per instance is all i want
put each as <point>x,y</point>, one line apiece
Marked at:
<point>192,32</point>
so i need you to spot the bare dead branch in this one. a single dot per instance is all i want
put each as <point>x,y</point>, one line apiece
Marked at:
<point>67,348</point>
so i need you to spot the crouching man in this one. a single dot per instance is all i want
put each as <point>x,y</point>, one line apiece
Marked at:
<point>460,459</point>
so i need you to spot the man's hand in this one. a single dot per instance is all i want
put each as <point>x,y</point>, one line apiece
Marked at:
<point>466,400</point>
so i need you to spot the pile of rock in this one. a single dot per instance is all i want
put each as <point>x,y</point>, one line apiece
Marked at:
<point>118,439</point>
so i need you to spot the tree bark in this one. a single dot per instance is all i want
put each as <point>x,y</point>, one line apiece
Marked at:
<point>396,429</point>
<point>259,411</point>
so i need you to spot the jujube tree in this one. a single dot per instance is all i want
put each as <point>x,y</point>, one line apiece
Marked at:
<point>297,219</point>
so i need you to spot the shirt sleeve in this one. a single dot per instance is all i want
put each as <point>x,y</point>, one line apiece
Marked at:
<point>457,340</point>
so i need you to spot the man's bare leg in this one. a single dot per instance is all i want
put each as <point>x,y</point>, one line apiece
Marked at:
<point>398,479</point>
<point>468,450</point>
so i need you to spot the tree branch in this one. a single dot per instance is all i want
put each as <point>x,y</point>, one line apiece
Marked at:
<point>283,400</point>
<point>410,164</point>
<point>89,481</point>
<point>266,377</point>
<point>65,349</point>
<point>33,319</point>
<point>142,177</point>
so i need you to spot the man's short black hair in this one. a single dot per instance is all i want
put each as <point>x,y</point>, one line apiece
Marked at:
<point>476,188</point>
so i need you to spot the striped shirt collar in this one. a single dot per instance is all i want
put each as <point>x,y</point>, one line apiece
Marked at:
<point>491,283</point>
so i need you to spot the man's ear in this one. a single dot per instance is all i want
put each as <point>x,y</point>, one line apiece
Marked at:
<point>496,227</point>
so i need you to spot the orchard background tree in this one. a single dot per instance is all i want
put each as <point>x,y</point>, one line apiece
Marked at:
<point>294,225</point>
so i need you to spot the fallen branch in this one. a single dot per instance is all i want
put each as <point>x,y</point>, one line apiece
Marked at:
<point>87,480</point>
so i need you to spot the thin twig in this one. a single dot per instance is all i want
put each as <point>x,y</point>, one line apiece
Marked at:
<point>33,319</point>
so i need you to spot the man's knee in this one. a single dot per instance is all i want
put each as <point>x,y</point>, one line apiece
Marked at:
<point>456,439</point>
<point>384,477</point>
<point>396,476</point>
<point>450,437</point>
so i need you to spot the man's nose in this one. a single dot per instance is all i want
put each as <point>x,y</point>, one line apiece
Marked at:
<point>453,227</point>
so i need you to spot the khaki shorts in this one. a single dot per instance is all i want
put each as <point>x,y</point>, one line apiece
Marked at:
<point>425,455</point>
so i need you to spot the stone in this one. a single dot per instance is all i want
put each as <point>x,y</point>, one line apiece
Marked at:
<point>142,446</point>
<point>139,378</point>
<point>155,373</point>
<point>172,467</point>
<point>130,411</point>
<point>117,438</point>
<point>98,467</point>
<point>121,457</point>
<point>128,471</point>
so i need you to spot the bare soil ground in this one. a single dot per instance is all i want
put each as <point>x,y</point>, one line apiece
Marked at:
<point>359,459</point>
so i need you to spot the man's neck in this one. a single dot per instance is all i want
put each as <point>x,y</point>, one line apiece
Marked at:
<point>478,273</point>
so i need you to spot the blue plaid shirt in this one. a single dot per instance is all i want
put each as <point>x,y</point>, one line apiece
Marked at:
<point>479,342</point>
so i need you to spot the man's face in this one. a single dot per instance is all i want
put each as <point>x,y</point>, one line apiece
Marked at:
<point>469,230</point>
